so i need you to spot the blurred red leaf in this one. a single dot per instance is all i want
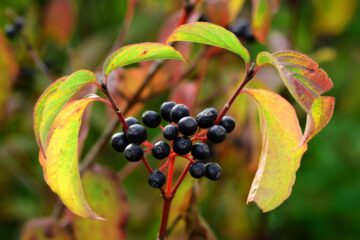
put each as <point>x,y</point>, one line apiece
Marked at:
<point>59,20</point>
<point>185,93</point>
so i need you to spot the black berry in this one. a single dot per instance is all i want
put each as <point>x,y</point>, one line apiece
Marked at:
<point>216,134</point>
<point>131,121</point>
<point>213,171</point>
<point>170,132</point>
<point>165,110</point>
<point>10,31</point>
<point>187,126</point>
<point>200,151</point>
<point>207,117</point>
<point>119,141</point>
<point>156,179</point>
<point>178,112</point>
<point>19,24</point>
<point>133,153</point>
<point>161,150</point>
<point>151,119</point>
<point>197,170</point>
<point>228,123</point>
<point>136,134</point>
<point>182,145</point>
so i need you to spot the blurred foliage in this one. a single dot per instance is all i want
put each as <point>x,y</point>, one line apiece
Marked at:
<point>324,201</point>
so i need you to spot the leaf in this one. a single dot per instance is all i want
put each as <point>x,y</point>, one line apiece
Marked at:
<point>135,53</point>
<point>61,159</point>
<point>40,105</point>
<point>300,74</point>
<point>280,156</point>
<point>54,98</point>
<point>306,82</point>
<point>106,196</point>
<point>261,19</point>
<point>60,20</point>
<point>319,116</point>
<point>210,34</point>
<point>9,70</point>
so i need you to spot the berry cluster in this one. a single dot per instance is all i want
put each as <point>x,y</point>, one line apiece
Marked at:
<point>12,30</point>
<point>186,136</point>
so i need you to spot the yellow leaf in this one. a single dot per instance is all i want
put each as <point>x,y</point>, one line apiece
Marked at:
<point>61,160</point>
<point>280,154</point>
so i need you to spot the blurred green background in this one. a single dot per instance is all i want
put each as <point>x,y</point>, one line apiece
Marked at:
<point>70,35</point>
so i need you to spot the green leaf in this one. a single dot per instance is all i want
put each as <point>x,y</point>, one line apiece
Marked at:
<point>210,34</point>
<point>261,19</point>
<point>105,194</point>
<point>280,155</point>
<point>54,98</point>
<point>61,159</point>
<point>306,82</point>
<point>135,53</point>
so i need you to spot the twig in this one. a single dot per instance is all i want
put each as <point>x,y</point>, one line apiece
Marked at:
<point>37,59</point>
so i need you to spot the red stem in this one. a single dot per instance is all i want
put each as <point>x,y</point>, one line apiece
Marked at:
<point>165,217</point>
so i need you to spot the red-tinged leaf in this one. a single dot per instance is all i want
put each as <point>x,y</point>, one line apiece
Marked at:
<point>280,155</point>
<point>60,20</point>
<point>61,158</point>
<point>185,93</point>
<point>54,98</point>
<point>261,19</point>
<point>106,196</point>
<point>306,82</point>
<point>300,74</point>
<point>319,116</point>
<point>210,34</point>
<point>140,52</point>
<point>9,70</point>
<point>44,229</point>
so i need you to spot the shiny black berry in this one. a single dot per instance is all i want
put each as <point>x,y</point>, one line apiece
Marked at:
<point>131,121</point>
<point>165,110</point>
<point>197,170</point>
<point>213,171</point>
<point>170,132</point>
<point>161,150</point>
<point>187,126</point>
<point>10,31</point>
<point>136,134</point>
<point>228,123</point>
<point>156,179</point>
<point>216,134</point>
<point>133,153</point>
<point>119,141</point>
<point>182,145</point>
<point>207,117</point>
<point>178,112</point>
<point>151,119</point>
<point>200,151</point>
